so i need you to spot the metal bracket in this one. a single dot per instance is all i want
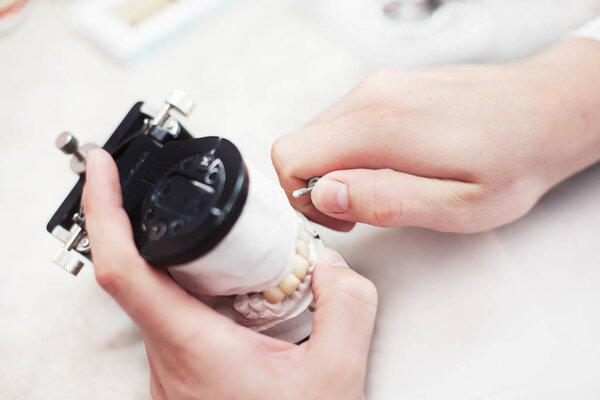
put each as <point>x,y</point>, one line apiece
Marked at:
<point>75,240</point>
<point>159,123</point>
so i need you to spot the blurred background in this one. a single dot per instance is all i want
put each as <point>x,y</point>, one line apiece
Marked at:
<point>507,314</point>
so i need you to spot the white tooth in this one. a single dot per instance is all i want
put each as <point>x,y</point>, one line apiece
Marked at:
<point>302,249</point>
<point>299,266</point>
<point>303,235</point>
<point>273,295</point>
<point>289,284</point>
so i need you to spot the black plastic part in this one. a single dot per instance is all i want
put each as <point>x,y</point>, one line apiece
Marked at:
<point>199,189</point>
<point>182,195</point>
<point>303,340</point>
<point>132,123</point>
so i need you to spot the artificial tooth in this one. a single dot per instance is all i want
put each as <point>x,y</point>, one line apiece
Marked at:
<point>273,295</point>
<point>302,248</point>
<point>289,284</point>
<point>299,266</point>
<point>303,235</point>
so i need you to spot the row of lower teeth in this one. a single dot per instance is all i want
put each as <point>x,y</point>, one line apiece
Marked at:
<point>290,283</point>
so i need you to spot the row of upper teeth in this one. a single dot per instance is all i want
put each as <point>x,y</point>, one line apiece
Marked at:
<point>290,283</point>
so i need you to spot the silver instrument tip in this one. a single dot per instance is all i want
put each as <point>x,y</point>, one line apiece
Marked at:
<point>301,192</point>
<point>304,191</point>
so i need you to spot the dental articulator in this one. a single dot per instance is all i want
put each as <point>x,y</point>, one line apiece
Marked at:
<point>222,230</point>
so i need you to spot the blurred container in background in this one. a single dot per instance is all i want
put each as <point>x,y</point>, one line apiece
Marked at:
<point>11,13</point>
<point>131,29</point>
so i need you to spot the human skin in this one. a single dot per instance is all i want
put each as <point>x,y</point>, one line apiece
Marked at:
<point>196,353</point>
<point>459,148</point>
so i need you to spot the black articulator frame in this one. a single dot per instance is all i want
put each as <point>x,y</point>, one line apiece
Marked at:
<point>182,195</point>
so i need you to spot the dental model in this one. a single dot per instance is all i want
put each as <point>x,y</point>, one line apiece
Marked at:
<point>222,230</point>
<point>260,274</point>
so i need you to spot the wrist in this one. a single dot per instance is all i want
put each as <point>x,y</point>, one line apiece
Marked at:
<point>566,86</point>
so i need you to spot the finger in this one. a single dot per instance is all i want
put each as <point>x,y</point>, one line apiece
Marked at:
<point>389,198</point>
<point>370,90</point>
<point>311,212</point>
<point>375,137</point>
<point>306,207</point>
<point>152,299</point>
<point>282,157</point>
<point>346,305</point>
<point>348,143</point>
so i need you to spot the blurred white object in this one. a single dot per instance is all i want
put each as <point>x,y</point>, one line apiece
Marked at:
<point>11,13</point>
<point>590,30</point>
<point>408,10</point>
<point>410,33</point>
<point>128,29</point>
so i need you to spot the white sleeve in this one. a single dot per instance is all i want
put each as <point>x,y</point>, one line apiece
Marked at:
<point>590,30</point>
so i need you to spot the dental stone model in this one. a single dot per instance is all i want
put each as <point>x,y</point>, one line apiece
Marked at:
<point>259,275</point>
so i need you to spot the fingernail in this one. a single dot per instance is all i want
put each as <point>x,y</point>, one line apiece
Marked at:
<point>332,258</point>
<point>91,162</point>
<point>330,195</point>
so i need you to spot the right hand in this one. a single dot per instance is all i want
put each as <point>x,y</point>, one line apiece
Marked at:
<point>459,149</point>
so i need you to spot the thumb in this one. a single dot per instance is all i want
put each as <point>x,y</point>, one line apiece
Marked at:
<point>346,305</point>
<point>152,299</point>
<point>390,198</point>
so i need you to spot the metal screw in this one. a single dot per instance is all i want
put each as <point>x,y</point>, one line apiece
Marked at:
<point>158,230</point>
<point>68,144</point>
<point>83,245</point>
<point>177,100</point>
<point>68,261</point>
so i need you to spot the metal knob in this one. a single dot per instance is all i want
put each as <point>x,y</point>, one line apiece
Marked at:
<point>177,100</point>
<point>68,261</point>
<point>68,144</point>
<point>181,102</point>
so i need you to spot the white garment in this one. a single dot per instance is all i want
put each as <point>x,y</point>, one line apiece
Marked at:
<point>590,30</point>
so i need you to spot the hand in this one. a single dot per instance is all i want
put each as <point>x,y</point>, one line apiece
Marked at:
<point>196,353</point>
<point>461,149</point>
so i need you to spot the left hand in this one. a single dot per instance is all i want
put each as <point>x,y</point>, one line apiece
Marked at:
<point>196,353</point>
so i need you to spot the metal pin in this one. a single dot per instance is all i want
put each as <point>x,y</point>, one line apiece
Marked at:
<point>309,187</point>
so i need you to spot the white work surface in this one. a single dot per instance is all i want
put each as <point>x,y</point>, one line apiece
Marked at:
<point>508,314</point>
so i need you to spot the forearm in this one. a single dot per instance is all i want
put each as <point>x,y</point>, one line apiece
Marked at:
<point>567,78</point>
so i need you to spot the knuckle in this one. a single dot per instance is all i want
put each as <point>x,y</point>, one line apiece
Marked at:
<point>384,215</point>
<point>108,279</point>
<point>376,79</point>
<point>381,115</point>
<point>279,155</point>
<point>387,209</point>
<point>467,210</point>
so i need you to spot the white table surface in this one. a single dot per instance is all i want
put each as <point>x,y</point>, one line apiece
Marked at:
<point>508,314</point>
